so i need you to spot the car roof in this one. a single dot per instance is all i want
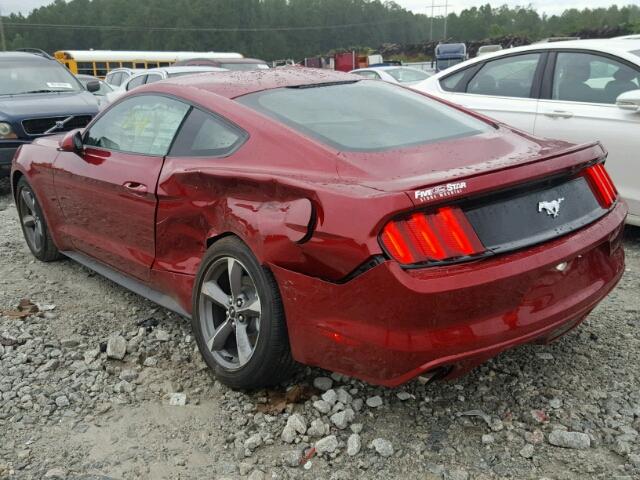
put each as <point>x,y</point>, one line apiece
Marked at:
<point>24,56</point>
<point>232,84</point>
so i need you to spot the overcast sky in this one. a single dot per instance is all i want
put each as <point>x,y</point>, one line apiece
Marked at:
<point>420,6</point>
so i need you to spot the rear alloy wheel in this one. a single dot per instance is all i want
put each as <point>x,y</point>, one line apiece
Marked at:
<point>34,225</point>
<point>238,319</point>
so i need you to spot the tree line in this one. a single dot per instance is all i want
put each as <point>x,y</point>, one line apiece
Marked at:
<point>273,29</point>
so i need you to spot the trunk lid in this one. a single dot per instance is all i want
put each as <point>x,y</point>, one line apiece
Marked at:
<point>454,169</point>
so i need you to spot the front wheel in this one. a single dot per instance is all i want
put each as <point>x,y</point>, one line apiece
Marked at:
<point>238,319</point>
<point>34,226</point>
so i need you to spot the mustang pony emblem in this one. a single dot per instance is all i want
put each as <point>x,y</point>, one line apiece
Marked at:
<point>552,208</point>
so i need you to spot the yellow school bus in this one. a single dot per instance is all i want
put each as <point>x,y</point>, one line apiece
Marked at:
<point>100,62</point>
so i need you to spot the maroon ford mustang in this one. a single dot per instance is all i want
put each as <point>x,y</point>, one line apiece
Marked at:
<point>298,215</point>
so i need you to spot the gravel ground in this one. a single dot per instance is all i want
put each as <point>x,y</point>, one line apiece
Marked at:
<point>570,410</point>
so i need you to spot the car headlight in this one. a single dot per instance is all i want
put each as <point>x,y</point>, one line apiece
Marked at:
<point>6,131</point>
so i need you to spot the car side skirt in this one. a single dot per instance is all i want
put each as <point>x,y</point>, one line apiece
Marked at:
<point>129,283</point>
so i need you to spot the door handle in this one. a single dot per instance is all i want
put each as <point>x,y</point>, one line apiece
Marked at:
<point>559,114</point>
<point>135,188</point>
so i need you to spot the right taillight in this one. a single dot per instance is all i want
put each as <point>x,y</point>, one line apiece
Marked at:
<point>602,185</point>
<point>431,237</point>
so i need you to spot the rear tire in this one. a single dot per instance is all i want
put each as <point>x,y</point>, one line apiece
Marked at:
<point>238,319</point>
<point>33,224</point>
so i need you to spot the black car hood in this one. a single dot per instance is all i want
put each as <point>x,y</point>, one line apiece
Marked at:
<point>20,107</point>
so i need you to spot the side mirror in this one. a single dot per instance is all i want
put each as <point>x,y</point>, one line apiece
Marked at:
<point>93,86</point>
<point>629,101</point>
<point>72,141</point>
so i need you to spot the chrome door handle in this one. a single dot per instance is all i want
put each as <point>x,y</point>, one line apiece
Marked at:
<point>135,188</point>
<point>559,114</point>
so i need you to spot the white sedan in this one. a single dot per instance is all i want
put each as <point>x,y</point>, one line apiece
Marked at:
<point>578,91</point>
<point>393,74</point>
<point>144,77</point>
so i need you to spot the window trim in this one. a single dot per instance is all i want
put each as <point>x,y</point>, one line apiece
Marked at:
<point>549,74</point>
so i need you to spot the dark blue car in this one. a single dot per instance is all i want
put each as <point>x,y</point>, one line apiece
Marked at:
<point>38,96</point>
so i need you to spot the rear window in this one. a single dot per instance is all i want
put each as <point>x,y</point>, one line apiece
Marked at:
<point>364,115</point>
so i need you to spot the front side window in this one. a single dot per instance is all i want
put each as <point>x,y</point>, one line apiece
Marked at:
<point>506,77</point>
<point>23,77</point>
<point>345,117</point>
<point>144,124</point>
<point>584,77</point>
<point>205,135</point>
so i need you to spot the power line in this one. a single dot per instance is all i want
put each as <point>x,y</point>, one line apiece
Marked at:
<point>197,29</point>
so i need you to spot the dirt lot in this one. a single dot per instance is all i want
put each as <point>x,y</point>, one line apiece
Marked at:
<point>570,410</point>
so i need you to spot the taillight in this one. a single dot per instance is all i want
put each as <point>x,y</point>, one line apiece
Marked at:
<point>602,185</point>
<point>431,237</point>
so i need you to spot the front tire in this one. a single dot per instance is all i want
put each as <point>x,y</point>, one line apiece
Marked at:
<point>34,226</point>
<point>238,319</point>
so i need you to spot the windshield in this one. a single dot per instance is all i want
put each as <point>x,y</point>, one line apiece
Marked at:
<point>244,66</point>
<point>18,77</point>
<point>364,115</point>
<point>407,75</point>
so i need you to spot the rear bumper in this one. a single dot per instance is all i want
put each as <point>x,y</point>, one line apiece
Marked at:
<point>390,325</point>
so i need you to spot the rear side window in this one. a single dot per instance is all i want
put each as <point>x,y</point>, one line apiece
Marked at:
<point>364,115</point>
<point>136,82</point>
<point>205,135</point>
<point>507,77</point>
<point>153,78</point>
<point>115,78</point>
<point>143,124</point>
<point>452,82</point>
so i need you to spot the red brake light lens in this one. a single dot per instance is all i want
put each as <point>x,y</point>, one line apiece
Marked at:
<point>434,237</point>
<point>602,185</point>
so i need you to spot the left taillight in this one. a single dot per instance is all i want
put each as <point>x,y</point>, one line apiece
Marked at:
<point>439,236</point>
<point>602,185</point>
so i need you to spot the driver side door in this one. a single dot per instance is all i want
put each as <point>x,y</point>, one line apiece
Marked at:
<point>107,192</point>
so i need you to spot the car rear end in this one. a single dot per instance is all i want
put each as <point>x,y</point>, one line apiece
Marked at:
<point>474,238</point>
<point>462,279</point>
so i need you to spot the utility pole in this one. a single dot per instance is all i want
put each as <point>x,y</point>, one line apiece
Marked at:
<point>433,8</point>
<point>446,14</point>
<point>3,42</point>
